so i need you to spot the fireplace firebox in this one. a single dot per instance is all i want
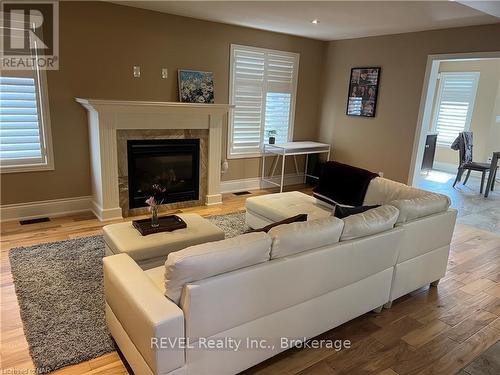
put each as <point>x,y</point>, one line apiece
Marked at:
<point>171,163</point>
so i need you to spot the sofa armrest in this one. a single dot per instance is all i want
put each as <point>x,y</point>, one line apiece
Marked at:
<point>145,314</point>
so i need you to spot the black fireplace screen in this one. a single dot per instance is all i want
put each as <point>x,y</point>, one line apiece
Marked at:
<point>171,163</point>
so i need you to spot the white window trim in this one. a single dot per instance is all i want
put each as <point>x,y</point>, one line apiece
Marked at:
<point>438,100</point>
<point>231,100</point>
<point>44,128</point>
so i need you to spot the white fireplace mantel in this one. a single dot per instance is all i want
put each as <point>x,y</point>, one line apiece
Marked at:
<point>105,117</point>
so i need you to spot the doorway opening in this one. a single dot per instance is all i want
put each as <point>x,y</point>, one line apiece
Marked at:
<point>461,94</point>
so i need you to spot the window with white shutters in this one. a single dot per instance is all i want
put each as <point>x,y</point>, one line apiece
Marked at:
<point>263,86</point>
<point>23,129</point>
<point>454,105</point>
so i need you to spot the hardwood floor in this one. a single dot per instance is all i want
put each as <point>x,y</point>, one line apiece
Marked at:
<point>431,331</point>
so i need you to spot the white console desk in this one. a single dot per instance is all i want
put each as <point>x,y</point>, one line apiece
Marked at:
<point>291,149</point>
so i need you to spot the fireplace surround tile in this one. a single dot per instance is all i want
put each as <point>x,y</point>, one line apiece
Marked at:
<point>123,135</point>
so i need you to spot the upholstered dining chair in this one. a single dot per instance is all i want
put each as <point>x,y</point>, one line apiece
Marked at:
<point>463,143</point>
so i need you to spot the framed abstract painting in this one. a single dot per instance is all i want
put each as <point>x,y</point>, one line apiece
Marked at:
<point>363,92</point>
<point>196,86</point>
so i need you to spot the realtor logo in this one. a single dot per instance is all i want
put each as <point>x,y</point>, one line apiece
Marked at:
<point>30,35</point>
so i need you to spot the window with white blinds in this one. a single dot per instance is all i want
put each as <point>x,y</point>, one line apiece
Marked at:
<point>23,133</point>
<point>263,86</point>
<point>454,105</point>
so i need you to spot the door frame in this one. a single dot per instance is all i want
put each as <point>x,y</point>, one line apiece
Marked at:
<point>427,101</point>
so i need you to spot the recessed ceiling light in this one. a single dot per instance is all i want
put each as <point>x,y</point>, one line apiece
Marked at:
<point>315,21</point>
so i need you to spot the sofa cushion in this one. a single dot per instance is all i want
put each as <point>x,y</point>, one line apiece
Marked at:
<point>289,239</point>
<point>425,205</point>
<point>203,261</point>
<point>369,222</point>
<point>382,191</point>
<point>413,203</point>
<point>342,212</point>
<point>279,206</point>
<point>242,299</point>
<point>293,219</point>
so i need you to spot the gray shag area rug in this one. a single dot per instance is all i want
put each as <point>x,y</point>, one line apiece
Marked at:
<point>232,224</point>
<point>60,291</point>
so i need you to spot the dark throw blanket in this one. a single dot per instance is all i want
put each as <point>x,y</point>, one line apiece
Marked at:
<point>343,184</point>
<point>463,143</point>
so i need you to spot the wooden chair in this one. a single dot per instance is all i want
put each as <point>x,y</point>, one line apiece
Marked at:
<point>465,163</point>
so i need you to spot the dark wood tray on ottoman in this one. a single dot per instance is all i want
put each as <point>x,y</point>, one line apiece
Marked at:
<point>167,224</point>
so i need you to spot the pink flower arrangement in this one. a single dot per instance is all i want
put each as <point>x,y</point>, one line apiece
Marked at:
<point>157,196</point>
<point>151,201</point>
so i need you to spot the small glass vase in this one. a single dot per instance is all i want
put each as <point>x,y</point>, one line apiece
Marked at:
<point>154,217</point>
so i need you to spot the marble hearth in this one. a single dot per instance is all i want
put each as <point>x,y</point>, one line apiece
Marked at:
<point>112,122</point>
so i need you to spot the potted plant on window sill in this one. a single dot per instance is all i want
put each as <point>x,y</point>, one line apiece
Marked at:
<point>272,136</point>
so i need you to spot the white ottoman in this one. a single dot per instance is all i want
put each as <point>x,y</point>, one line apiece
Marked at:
<point>270,208</point>
<point>152,250</point>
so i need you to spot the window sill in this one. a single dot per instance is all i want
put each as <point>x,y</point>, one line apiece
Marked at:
<point>26,168</point>
<point>244,156</point>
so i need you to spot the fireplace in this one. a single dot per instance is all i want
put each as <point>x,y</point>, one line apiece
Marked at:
<point>171,163</point>
<point>114,122</point>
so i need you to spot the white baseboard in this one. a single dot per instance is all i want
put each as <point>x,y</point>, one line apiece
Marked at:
<point>105,214</point>
<point>50,208</point>
<point>255,183</point>
<point>213,199</point>
<point>233,186</point>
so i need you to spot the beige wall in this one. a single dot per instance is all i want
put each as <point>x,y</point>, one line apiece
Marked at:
<point>484,108</point>
<point>494,139</point>
<point>99,44</point>
<point>385,143</point>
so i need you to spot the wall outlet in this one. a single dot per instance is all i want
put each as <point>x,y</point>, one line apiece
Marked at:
<point>224,167</point>
<point>164,73</point>
<point>137,71</point>
<point>381,174</point>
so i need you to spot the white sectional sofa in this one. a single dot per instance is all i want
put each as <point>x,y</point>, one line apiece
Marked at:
<point>425,217</point>
<point>296,281</point>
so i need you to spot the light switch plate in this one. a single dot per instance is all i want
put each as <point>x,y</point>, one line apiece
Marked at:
<point>137,71</point>
<point>164,73</point>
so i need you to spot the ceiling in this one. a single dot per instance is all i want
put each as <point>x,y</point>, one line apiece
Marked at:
<point>337,19</point>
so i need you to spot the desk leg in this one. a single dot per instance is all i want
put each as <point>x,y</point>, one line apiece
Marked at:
<point>296,165</point>
<point>305,170</point>
<point>282,172</point>
<point>274,165</point>
<point>263,168</point>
